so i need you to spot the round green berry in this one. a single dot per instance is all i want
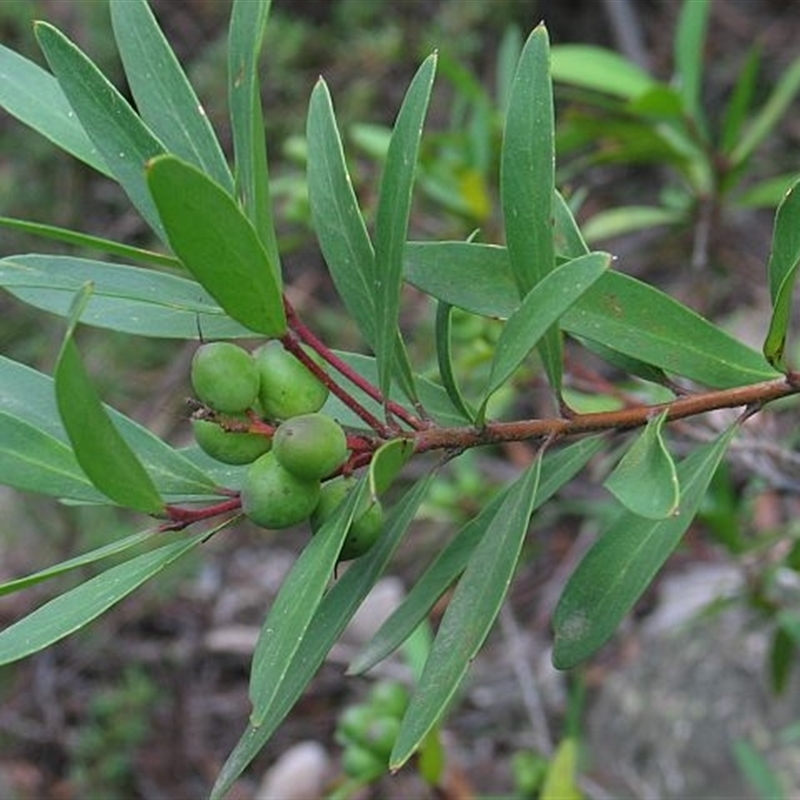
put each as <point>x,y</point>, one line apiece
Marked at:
<point>229,446</point>
<point>273,497</point>
<point>360,763</point>
<point>288,389</point>
<point>225,377</point>
<point>389,698</point>
<point>312,446</point>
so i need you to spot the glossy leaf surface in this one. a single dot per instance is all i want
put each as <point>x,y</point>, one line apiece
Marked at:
<point>625,559</point>
<point>217,244</point>
<point>599,69</point>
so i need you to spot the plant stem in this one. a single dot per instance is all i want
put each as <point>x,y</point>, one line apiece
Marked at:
<point>307,336</point>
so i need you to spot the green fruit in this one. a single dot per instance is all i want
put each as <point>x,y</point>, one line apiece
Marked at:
<point>389,698</point>
<point>380,736</point>
<point>230,447</point>
<point>288,389</point>
<point>367,522</point>
<point>225,377</point>
<point>312,446</point>
<point>353,724</point>
<point>273,497</point>
<point>358,762</point>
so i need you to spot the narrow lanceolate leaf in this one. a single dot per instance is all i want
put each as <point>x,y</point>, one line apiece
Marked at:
<point>527,182</point>
<point>127,299</point>
<point>394,209</point>
<point>34,97</point>
<point>335,611</point>
<point>445,360</point>
<point>541,308</point>
<point>622,563</point>
<point>470,615</point>
<point>100,553</point>
<point>28,401</point>
<point>782,268</point>
<point>338,223</point>
<point>164,97</point>
<point>217,243</point>
<point>770,114</point>
<point>690,41</point>
<point>245,39</point>
<point>557,469</point>
<point>103,454</point>
<point>645,481</point>
<point>386,464</point>
<point>124,142</point>
<point>76,608</point>
<point>599,69</point>
<point>288,620</point>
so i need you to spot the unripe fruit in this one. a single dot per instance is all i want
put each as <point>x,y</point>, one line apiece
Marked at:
<point>225,377</point>
<point>288,389</point>
<point>312,446</point>
<point>358,762</point>
<point>367,522</point>
<point>230,447</point>
<point>273,497</point>
<point>389,698</point>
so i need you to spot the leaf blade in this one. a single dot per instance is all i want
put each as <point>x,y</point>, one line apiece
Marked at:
<point>217,244</point>
<point>621,564</point>
<point>164,97</point>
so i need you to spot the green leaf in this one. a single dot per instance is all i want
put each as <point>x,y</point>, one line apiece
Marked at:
<point>757,770</point>
<point>599,69</point>
<point>469,617</point>
<point>28,397</point>
<point>527,182</point>
<point>386,464</point>
<point>217,244</point>
<point>105,457</point>
<point>85,240</point>
<point>645,481</point>
<point>784,260</point>
<point>76,608</point>
<point>336,609</point>
<point>124,142</point>
<point>289,618</point>
<point>557,469</point>
<point>445,361</point>
<point>561,782</point>
<point>128,299</point>
<point>245,39</point>
<point>741,98</point>
<point>164,97</point>
<point>619,311</point>
<point>778,103</point>
<point>338,223</point>
<point>35,461</point>
<point>542,307</point>
<point>766,194</point>
<point>108,550</point>
<point>34,97</point>
<point>622,563</point>
<point>689,44</point>
<point>394,209</point>
<point>626,219</point>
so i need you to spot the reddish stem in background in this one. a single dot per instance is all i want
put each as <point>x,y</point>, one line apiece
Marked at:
<point>307,336</point>
<point>180,518</point>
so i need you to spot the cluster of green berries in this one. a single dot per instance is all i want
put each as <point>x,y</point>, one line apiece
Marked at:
<point>368,731</point>
<point>283,484</point>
